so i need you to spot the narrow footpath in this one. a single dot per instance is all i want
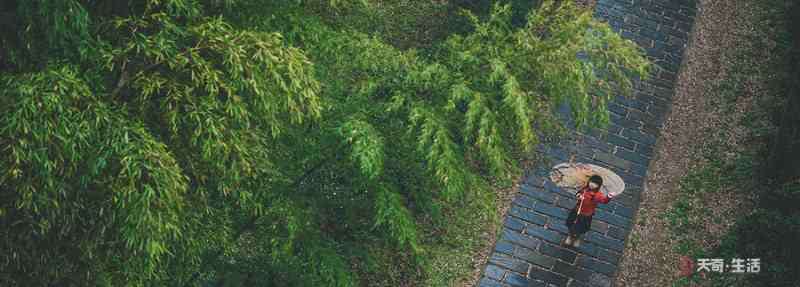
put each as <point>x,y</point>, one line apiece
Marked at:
<point>528,252</point>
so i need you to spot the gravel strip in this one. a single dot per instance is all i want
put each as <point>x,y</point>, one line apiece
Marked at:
<point>649,259</point>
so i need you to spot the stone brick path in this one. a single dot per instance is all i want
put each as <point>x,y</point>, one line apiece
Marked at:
<point>528,251</point>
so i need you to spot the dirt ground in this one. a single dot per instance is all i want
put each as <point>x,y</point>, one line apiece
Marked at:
<point>651,261</point>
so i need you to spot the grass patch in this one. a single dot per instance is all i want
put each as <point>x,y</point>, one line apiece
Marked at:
<point>452,251</point>
<point>449,245</point>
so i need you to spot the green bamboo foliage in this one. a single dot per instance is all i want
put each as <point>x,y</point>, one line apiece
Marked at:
<point>441,153</point>
<point>367,145</point>
<point>55,27</point>
<point>248,143</point>
<point>66,148</point>
<point>392,213</point>
<point>555,34</point>
<point>482,129</point>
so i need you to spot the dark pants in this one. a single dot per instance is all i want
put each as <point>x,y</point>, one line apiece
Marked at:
<point>578,224</point>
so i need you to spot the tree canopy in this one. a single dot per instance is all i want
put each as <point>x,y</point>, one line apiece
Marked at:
<point>286,143</point>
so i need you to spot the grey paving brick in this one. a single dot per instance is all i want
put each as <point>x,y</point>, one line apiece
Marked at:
<point>494,272</point>
<point>649,23</point>
<point>613,204</point>
<point>582,158</point>
<point>623,211</point>
<point>608,256</point>
<point>672,31</point>
<point>615,169</point>
<point>523,201</point>
<point>682,18</point>
<point>596,143</point>
<point>504,247</point>
<point>558,225</point>
<point>565,202</point>
<point>567,192</point>
<point>527,215</point>
<point>611,219</point>
<point>606,207</point>
<point>637,115</point>
<point>513,223</point>
<point>537,193</point>
<point>514,279</point>
<point>576,283</point>
<point>534,180</point>
<point>655,105</point>
<point>634,191</point>
<point>596,265</point>
<point>585,150</point>
<point>559,252</point>
<point>631,156</point>
<point>547,276</point>
<point>558,157</point>
<point>592,278</point>
<point>620,141</point>
<point>650,128</point>
<point>604,241</point>
<point>639,136</point>
<point>627,34</point>
<point>509,263</point>
<point>668,64</point>
<point>565,269</point>
<point>630,198</point>
<point>599,226</point>
<point>544,173</point>
<point>551,187</point>
<point>587,248</point>
<point>629,102</point>
<point>664,93</point>
<point>618,109</point>
<point>597,132</point>
<point>638,169</point>
<point>543,233</point>
<point>683,27</point>
<point>488,282</point>
<point>551,210</point>
<point>631,180</point>
<point>534,257</point>
<point>654,34</point>
<point>558,152</point>
<point>519,239</point>
<point>614,129</point>
<point>668,76</point>
<point>612,160</point>
<point>626,123</point>
<point>659,113</point>
<point>583,275</point>
<point>617,232</point>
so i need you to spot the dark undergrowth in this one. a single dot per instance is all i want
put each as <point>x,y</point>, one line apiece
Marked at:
<point>768,228</point>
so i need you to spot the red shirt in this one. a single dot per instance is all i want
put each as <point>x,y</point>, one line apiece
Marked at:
<point>590,200</point>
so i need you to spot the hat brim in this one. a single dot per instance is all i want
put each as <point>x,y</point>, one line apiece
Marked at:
<point>577,175</point>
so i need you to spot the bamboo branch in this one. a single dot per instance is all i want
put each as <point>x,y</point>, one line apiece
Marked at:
<point>124,78</point>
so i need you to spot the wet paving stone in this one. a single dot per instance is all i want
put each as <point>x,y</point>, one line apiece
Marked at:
<point>528,252</point>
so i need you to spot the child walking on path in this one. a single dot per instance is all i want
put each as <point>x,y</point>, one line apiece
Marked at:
<point>580,217</point>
